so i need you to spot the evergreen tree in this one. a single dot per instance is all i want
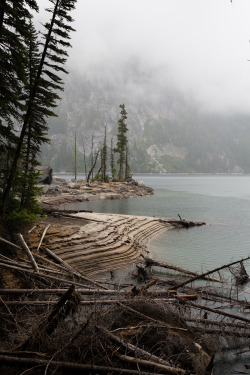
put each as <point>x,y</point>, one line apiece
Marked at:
<point>14,25</point>
<point>46,81</point>
<point>122,141</point>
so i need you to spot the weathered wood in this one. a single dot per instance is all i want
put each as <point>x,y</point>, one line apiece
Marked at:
<point>60,311</point>
<point>219,312</point>
<point>28,252</point>
<point>10,243</point>
<point>150,364</point>
<point>150,262</point>
<point>43,235</point>
<point>71,269</point>
<point>42,259</point>
<point>39,275</point>
<point>209,272</point>
<point>150,318</point>
<point>141,352</point>
<point>27,362</point>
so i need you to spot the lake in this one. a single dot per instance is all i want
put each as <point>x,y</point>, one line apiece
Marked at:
<point>222,201</point>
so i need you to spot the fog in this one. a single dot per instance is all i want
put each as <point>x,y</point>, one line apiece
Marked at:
<point>201,47</point>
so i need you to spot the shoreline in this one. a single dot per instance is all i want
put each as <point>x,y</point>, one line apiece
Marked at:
<point>95,243</point>
<point>62,192</point>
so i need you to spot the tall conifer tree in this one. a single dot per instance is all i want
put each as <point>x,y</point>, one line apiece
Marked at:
<point>46,83</point>
<point>122,142</point>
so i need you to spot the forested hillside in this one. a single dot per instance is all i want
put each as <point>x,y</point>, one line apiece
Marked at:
<point>168,132</point>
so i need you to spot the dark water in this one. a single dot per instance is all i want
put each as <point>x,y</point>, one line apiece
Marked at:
<point>222,201</point>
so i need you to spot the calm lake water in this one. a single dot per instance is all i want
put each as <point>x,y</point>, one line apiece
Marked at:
<point>222,201</point>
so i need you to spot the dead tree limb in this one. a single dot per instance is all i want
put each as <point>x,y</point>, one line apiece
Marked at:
<point>209,272</point>
<point>149,364</point>
<point>219,312</point>
<point>152,319</point>
<point>150,262</point>
<point>43,235</point>
<point>28,252</point>
<point>10,243</point>
<point>143,353</point>
<point>14,361</point>
<point>71,269</point>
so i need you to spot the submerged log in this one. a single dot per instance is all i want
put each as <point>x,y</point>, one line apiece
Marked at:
<point>209,272</point>
<point>150,262</point>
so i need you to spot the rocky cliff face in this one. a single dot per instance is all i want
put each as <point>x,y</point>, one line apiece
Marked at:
<point>167,133</point>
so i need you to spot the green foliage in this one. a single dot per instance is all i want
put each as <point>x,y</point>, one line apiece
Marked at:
<point>16,215</point>
<point>122,142</point>
<point>31,94</point>
<point>99,177</point>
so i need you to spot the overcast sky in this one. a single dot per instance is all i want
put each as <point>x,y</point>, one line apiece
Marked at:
<point>201,45</point>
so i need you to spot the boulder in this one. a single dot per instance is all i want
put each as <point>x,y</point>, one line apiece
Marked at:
<point>45,174</point>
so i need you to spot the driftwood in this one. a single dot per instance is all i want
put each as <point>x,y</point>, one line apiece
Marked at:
<point>28,252</point>
<point>150,262</point>
<point>71,269</point>
<point>27,362</point>
<point>10,243</point>
<point>41,276</point>
<point>60,311</point>
<point>43,235</point>
<point>150,364</point>
<point>209,272</point>
<point>138,351</point>
<point>150,318</point>
<point>219,312</point>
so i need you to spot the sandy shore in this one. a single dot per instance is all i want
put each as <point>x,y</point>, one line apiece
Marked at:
<point>94,243</point>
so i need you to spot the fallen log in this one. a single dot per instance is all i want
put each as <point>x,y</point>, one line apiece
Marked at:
<point>17,362</point>
<point>138,351</point>
<point>209,272</point>
<point>42,276</point>
<point>150,262</point>
<point>219,312</point>
<point>149,364</point>
<point>10,243</point>
<point>71,269</point>
<point>43,235</point>
<point>150,318</point>
<point>67,304</point>
<point>28,252</point>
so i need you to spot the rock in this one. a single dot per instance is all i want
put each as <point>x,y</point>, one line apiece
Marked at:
<point>73,185</point>
<point>45,174</point>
